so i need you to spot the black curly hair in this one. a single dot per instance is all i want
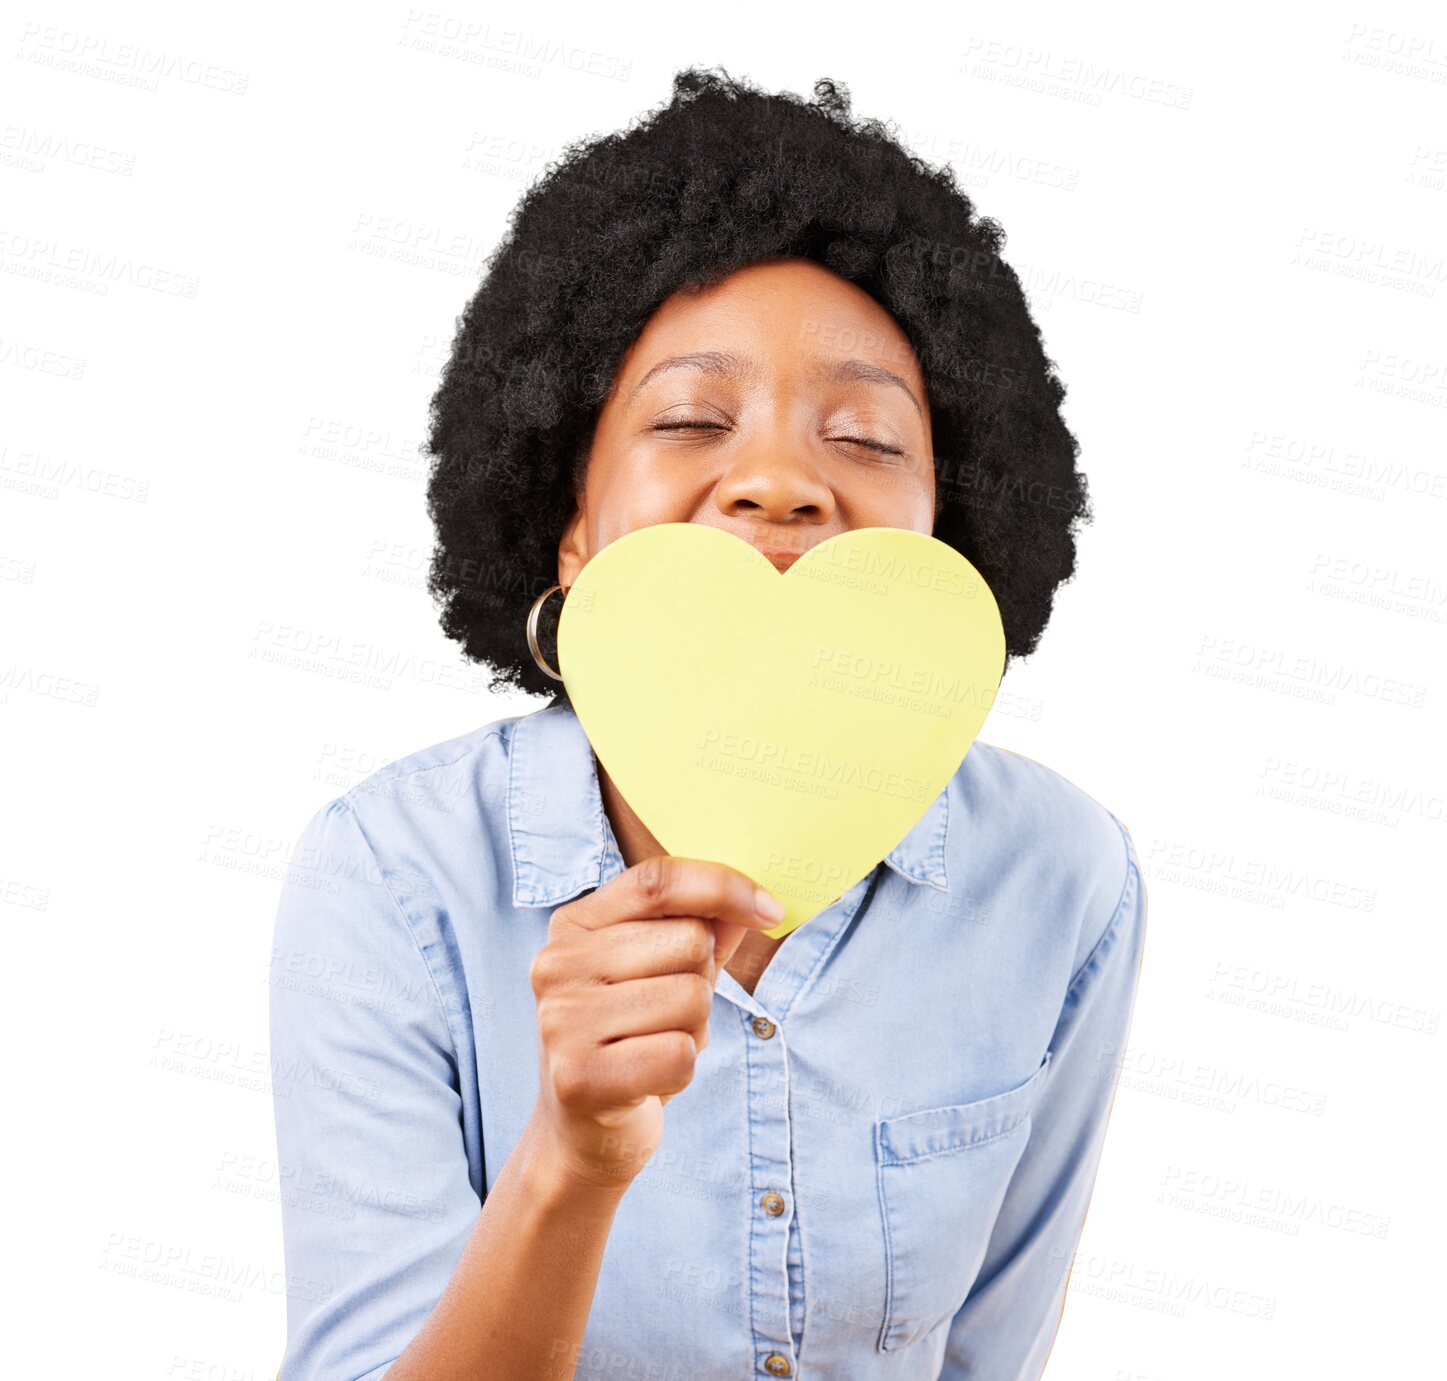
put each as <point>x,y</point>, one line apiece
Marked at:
<point>722,176</point>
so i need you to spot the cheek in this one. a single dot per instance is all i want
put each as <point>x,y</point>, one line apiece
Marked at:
<point>902,498</point>
<point>636,496</point>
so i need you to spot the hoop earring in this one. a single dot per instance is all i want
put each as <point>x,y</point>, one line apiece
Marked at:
<point>533,615</point>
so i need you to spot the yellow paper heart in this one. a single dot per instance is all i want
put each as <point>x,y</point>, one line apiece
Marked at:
<point>794,726</point>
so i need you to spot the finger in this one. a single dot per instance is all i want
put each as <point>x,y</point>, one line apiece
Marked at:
<point>660,1062</point>
<point>666,885</point>
<point>643,949</point>
<point>727,939</point>
<point>643,1006</point>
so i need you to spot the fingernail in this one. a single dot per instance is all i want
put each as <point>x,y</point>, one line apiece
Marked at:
<point>769,907</point>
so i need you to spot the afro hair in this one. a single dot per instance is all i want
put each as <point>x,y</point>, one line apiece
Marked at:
<point>722,176</point>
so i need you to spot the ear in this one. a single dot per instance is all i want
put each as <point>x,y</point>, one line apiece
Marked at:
<point>573,551</point>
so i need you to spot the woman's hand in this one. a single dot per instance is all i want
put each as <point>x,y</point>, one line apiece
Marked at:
<point>624,990</point>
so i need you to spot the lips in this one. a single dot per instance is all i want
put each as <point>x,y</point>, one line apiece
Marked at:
<point>782,559</point>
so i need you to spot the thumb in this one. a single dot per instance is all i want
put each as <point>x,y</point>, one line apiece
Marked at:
<point>727,937</point>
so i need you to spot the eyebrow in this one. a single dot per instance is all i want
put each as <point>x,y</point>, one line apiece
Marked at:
<point>835,371</point>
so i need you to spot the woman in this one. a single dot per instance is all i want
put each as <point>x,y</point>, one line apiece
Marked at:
<point>550,1103</point>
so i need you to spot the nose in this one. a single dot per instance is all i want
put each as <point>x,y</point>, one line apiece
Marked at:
<point>774,479</point>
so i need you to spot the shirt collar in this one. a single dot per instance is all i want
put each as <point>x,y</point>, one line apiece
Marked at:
<point>562,842</point>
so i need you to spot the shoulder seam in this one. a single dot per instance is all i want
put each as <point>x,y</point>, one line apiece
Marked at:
<point>1108,934</point>
<point>407,922</point>
<point>395,769</point>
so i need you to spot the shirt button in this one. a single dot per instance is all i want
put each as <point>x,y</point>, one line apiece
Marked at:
<point>776,1364</point>
<point>773,1203</point>
<point>763,1027</point>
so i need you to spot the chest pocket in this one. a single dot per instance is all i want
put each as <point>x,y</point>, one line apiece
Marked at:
<point>942,1175</point>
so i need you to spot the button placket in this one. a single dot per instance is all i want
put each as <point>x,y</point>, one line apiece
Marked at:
<point>771,1174</point>
<point>766,1093</point>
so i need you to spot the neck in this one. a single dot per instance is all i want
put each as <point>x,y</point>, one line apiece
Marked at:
<point>635,841</point>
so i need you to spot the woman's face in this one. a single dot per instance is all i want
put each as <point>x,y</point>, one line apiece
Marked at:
<point>784,405</point>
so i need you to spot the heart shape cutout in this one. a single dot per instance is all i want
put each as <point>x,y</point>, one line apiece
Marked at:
<point>795,726</point>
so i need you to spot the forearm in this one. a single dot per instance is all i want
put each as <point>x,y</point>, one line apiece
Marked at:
<point>518,1301</point>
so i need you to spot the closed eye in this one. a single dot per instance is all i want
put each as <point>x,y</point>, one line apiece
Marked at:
<point>715,427</point>
<point>872,445</point>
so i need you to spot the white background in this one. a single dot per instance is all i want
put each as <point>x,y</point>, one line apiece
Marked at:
<point>228,291</point>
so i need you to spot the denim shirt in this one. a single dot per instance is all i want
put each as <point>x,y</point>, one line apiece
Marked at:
<point>882,1164</point>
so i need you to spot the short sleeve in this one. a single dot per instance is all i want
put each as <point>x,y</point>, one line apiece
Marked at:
<point>376,1200</point>
<point>1006,1327</point>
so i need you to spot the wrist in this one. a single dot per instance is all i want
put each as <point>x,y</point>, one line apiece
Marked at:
<point>556,1177</point>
